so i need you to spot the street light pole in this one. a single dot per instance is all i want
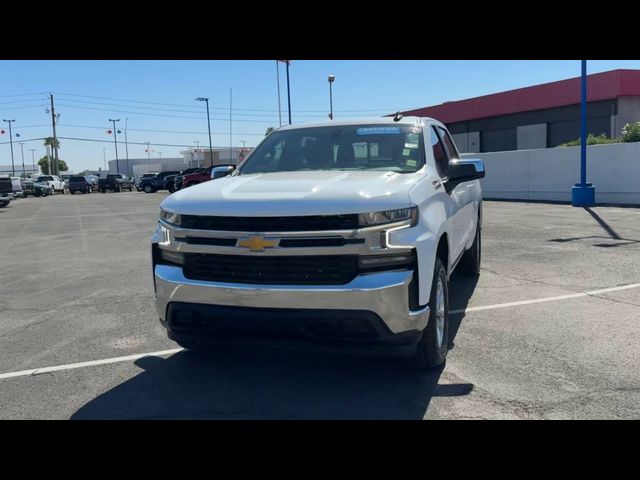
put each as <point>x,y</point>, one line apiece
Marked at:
<point>148,151</point>
<point>331,80</point>
<point>33,159</point>
<point>126,143</point>
<point>206,100</point>
<point>22,150</point>
<point>13,168</point>
<point>115,142</point>
<point>104,157</point>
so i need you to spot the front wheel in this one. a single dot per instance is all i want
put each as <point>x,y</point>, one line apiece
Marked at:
<point>432,348</point>
<point>148,189</point>
<point>470,262</point>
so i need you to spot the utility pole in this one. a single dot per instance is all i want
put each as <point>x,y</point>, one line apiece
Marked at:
<point>55,139</point>
<point>104,157</point>
<point>278,80</point>
<point>288,91</point>
<point>13,168</point>
<point>148,151</point>
<point>115,141</point>
<point>33,159</point>
<point>22,150</point>
<point>230,126</point>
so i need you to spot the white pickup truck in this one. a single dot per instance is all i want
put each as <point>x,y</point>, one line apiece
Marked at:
<point>338,235</point>
<point>55,182</point>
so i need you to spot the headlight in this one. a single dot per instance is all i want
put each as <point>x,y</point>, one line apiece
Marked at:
<point>169,217</point>
<point>388,216</point>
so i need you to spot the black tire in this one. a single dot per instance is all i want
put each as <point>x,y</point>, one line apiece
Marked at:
<point>102,190</point>
<point>471,259</point>
<point>3,204</point>
<point>432,348</point>
<point>131,188</point>
<point>148,189</point>
<point>193,346</point>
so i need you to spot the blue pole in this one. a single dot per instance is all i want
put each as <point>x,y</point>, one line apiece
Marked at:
<point>583,132</point>
<point>583,193</point>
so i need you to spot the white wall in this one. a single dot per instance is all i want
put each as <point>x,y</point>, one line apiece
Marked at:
<point>550,173</point>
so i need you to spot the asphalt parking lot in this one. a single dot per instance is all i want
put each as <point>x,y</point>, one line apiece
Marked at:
<point>534,337</point>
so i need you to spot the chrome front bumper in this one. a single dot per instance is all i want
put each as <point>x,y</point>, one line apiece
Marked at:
<point>385,294</point>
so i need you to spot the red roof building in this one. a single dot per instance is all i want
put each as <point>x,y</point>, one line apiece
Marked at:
<point>540,116</point>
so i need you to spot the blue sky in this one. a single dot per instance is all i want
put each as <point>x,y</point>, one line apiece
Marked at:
<point>361,88</point>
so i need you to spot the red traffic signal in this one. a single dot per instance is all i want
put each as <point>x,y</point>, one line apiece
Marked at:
<point>2,132</point>
<point>109,131</point>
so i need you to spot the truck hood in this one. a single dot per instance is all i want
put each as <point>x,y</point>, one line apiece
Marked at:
<point>295,193</point>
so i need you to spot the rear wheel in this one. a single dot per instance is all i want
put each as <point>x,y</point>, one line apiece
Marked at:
<point>148,189</point>
<point>432,348</point>
<point>3,204</point>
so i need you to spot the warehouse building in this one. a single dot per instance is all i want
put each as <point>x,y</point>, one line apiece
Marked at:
<point>200,157</point>
<point>541,116</point>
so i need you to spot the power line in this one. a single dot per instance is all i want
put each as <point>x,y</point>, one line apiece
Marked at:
<point>154,114</point>
<point>22,95</point>
<point>384,110</point>
<point>40,105</point>
<point>130,143</point>
<point>153,131</point>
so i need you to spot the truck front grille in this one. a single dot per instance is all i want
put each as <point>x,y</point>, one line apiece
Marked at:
<point>278,270</point>
<point>271,224</point>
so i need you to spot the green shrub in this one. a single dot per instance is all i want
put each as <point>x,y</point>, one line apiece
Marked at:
<point>631,132</point>
<point>591,140</point>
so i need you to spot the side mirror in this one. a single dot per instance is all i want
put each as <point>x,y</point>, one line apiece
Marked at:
<point>464,170</point>
<point>224,173</point>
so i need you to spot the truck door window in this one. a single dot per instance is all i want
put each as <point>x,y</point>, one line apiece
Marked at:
<point>439,154</point>
<point>452,151</point>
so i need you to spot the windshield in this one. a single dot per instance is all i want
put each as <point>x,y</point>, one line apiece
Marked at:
<point>396,148</point>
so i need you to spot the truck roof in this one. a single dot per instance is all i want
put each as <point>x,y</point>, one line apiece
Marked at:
<point>414,121</point>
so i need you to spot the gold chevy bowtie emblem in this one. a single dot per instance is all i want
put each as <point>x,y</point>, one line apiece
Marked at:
<point>257,243</point>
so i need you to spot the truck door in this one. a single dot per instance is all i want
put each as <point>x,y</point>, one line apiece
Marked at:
<point>466,192</point>
<point>455,199</point>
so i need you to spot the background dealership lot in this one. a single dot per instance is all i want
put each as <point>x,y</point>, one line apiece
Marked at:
<point>76,287</point>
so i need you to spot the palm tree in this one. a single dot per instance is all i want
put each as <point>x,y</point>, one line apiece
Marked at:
<point>52,142</point>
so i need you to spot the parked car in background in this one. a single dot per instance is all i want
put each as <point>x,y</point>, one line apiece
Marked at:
<point>55,182</point>
<point>17,187</point>
<point>144,175</point>
<point>116,182</point>
<point>79,183</point>
<point>6,191</point>
<point>170,180</point>
<point>93,180</point>
<point>37,189</point>
<point>65,178</point>
<point>201,175</point>
<point>155,183</point>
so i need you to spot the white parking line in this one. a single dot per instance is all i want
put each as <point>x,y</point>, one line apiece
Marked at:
<point>547,299</point>
<point>164,353</point>
<point>72,366</point>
